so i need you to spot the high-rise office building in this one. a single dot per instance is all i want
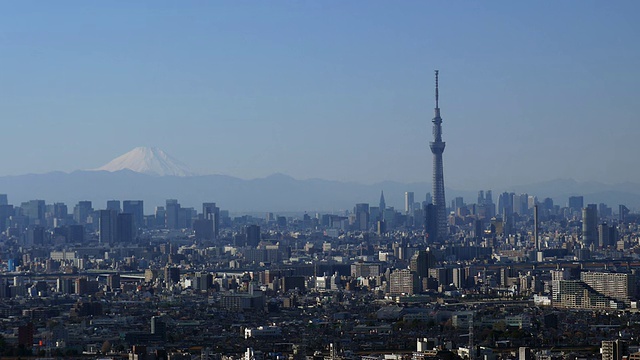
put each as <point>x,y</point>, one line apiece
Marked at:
<point>82,211</point>
<point>431,222</point>
<point>362,216</point>
<point>172,213</point>
<point>428,198</point>
<point>485,207</point>
<point>161,216</point>
<point>590,225</point>
<point>60,211</point>
<point>203,229</point>
<point>35,235</point>
<point>437,148</point>
<point>107,226</point>
<point>478,229</point>
<point>576,203</point>
<point>488,198</point>
<point>74,234</point>
<point>186,216</point>
<point>520,204</point>
<point>607,235</point>
<point>536,236</point>
<point>211,212</point>
<point>114,205</point>
<point>420,263</point>
<point>383,205</point>
<point>252,233</point>
<point>623,211</point>
<point>172,275</point>
<point>408,202</point>
<point>604,211</point>
<point>34,210</point>
<point>136,208</point>
<point>6,211</point>
<point>125,229</point>
<point>458,202</point>
<point>374,214</point>
<point>531,201</point>
<point>3,199</point>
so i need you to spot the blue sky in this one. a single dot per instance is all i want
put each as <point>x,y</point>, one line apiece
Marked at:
<point>530,91</point>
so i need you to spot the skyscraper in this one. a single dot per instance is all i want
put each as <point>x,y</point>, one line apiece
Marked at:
<point>125,228</point>
<point>408,202</point>
<point>82,211</point>
<point>420,263</point>
<point>211,212</point>
<point>505,204</point>
<point>362,216</point>
<point>136,208</point>
<point>623,211</point>
<point>114,205</point>
<point>437,148</point>
<point>536,239</point>
<point>383,205</point>
<point>107,226</point>
<point>172,274</point>
<point>172,210</point>
<point>576,203</point>
<point>35,211</point>
<point>252,233</point>
<point>590,225</point>
<point>431,222</point>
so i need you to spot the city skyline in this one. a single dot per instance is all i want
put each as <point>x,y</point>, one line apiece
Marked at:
<point>265,180</point>
<point>323,90</point>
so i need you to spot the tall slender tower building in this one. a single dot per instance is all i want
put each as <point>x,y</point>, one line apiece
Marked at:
<point>383,205</point>
<point>437,148</point>
<point>408,202</point>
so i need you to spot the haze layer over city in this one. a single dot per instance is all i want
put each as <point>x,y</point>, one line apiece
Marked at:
<point>319,180</point>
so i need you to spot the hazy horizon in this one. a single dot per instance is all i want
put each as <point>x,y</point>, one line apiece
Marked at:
<point>529,92</point>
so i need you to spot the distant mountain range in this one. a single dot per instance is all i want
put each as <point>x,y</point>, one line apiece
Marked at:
<point>276,193</point>
<point>151,175</point>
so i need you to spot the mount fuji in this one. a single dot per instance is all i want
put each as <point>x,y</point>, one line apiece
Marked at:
<point>149,161</point>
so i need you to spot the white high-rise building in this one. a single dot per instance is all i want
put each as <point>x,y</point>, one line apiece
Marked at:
<point>408,202</point>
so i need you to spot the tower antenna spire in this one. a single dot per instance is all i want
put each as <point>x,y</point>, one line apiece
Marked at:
<point>437,89</point>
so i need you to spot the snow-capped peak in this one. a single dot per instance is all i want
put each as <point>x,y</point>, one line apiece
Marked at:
<point>148,160</point>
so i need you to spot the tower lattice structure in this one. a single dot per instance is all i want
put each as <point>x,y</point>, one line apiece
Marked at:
<point>437,148</point>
